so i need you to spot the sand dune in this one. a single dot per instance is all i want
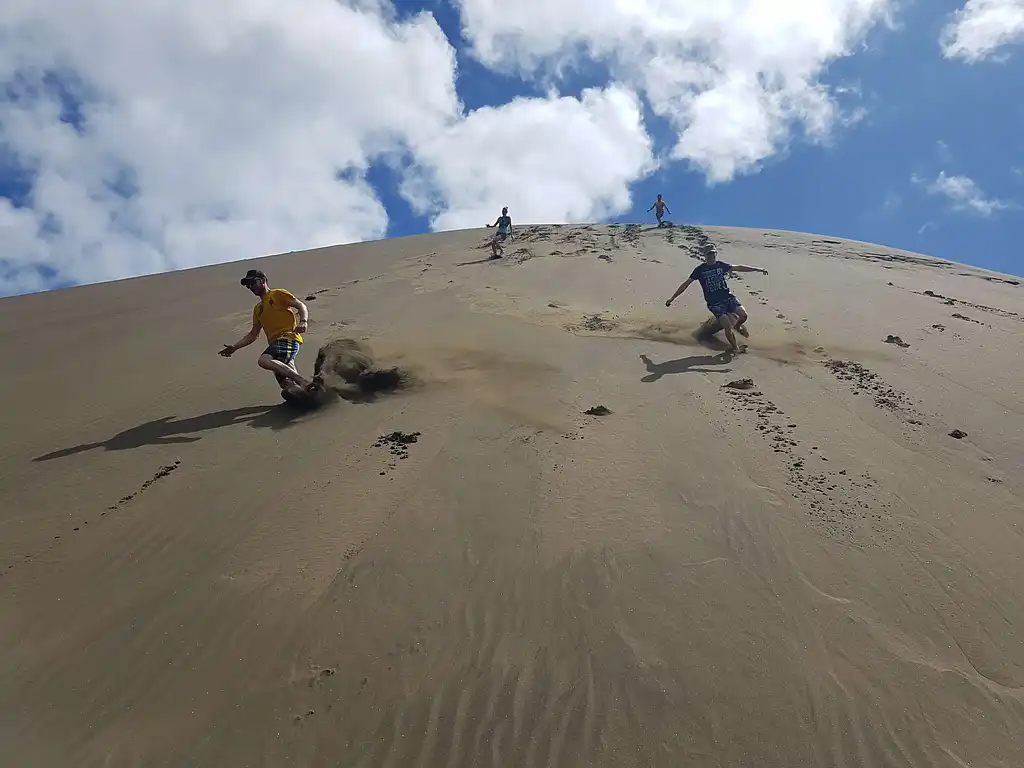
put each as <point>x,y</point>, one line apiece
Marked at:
<point>804,569</point>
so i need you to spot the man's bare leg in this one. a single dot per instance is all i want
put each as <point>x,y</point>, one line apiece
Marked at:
<point>741,315</point>
<point>728,323</point>
<point>282,370</point>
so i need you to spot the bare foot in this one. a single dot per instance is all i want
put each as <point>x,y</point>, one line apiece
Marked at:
<point>743,331</point>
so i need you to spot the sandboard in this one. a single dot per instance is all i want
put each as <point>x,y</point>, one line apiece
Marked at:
<point>299,397</point>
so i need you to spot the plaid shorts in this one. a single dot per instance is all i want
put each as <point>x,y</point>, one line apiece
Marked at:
<point>284,350</point>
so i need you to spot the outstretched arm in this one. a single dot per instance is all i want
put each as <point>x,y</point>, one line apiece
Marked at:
<point>245,341</point>
<point>679,290</point>
<point>745,268</point>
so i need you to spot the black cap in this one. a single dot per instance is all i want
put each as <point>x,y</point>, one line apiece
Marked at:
<point>251,276</point>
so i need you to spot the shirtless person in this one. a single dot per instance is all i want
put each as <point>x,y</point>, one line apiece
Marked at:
<point>723,305</point>
<point>504,225</point>
<point>273,313</point>
<point>662,206</point>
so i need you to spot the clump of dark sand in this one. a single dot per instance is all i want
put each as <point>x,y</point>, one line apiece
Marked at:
<point>345,368</point>
<point>740,384</point>
<point>890,339</point>
<point>397,443</point>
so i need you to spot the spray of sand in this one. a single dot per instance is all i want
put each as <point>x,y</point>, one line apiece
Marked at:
<point>345,368</point>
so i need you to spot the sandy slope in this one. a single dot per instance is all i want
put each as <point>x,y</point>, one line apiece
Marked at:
<point>811,572</point>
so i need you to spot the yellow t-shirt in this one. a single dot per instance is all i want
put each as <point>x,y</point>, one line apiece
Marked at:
<point>276,316</point>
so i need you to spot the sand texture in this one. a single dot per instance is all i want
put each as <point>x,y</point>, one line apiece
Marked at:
<point>807,555</point>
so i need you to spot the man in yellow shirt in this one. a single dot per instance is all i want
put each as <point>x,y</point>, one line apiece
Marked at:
<point>274,314</point>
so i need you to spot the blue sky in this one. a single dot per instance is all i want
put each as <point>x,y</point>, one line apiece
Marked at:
<point>389,120</point>
<point>926,114</point>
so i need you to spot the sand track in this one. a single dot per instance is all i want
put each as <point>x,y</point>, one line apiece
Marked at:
<point>805,555</point>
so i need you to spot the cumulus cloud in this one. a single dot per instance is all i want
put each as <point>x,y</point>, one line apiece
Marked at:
<point>735,78</point>
<point>555,159</point>
<point>163,134</point>
<point>964,194</point>
<point>205,131</point>
<point>980,29</point>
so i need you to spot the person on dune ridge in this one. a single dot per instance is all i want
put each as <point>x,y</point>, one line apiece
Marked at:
<point>504,225</point>
<point>661,207</point>
<point>723,304</point>
<point>273,313</point>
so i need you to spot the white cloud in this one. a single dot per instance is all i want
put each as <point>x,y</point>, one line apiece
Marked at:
<point>893,200</point>
<point>981,28</point>
<point>216,131</point>
<point>964,194</point>
<point>231,119</point>
<point>547,159</point>
<point>734,77</point>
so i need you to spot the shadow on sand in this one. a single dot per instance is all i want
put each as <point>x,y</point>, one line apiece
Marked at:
<point>478,261</point>
<point>685,365</point>
<point>171,431</point>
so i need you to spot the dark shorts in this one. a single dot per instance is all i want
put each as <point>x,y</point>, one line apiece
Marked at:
<point>725,307</point>
<point>285,351</point>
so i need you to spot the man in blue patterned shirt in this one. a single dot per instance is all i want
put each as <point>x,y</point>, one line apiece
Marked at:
<point>723,305</point>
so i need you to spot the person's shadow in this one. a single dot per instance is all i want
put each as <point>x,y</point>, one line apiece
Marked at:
<point>685,365</point>
<point>478,261</point>
<point>171,431</point>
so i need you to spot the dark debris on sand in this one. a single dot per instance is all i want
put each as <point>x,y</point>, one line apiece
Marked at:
<point>596,323</point>
<point>861,379</point>
<point>830,497</point>
<point>890,339</point>
<point>597,410</point>
<point>397,443</point>
<point>740,384</point>
<point>959,434</point>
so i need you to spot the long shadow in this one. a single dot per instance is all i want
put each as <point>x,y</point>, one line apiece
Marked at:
<point>478,261</point>
<point>685,365</point>
<point>171,431</point>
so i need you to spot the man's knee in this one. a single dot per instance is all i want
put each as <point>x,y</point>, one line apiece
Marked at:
<point>267,362</point>
<point>727,321</point>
